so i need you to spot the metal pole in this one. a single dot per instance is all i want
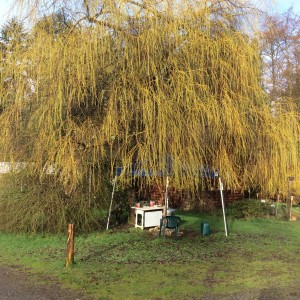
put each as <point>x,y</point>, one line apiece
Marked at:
<point>112,197</point>
<point>223,206</point>
<point>90,185</point>
<point>276,210</point>
<point>291,206</point>
<point>166,196</point>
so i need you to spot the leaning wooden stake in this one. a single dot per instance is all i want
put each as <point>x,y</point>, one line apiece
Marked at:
<point>70,245</point>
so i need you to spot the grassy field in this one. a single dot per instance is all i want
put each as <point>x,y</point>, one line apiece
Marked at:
<point>128,263</point>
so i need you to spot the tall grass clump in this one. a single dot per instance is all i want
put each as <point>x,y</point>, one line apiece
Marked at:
<point>27,205</point>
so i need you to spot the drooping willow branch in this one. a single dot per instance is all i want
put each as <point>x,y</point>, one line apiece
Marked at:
<point>182,96</point>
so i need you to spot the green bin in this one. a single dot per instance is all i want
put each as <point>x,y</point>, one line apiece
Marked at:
<point>205,229</point>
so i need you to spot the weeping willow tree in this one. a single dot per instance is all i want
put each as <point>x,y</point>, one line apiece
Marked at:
<point>172,86</point>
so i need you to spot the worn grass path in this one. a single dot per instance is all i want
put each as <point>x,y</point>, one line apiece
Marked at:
<point>17,284</point>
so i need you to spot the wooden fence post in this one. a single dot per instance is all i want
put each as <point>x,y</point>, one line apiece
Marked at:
<point>70,245</point>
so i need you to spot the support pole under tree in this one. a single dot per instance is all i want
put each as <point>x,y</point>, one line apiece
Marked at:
<point>277,201</point>
<point>291,207</point>
<point>111,201</point>
<point>166,197</point>
<point>223,206</point>
<point>290,198</point>
<point>90,186</point>
<point>70,246</point>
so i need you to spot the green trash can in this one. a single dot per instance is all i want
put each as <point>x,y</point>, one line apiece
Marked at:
<point>205,228</point>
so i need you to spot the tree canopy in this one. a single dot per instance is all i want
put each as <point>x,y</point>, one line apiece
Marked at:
<point>172,86</point>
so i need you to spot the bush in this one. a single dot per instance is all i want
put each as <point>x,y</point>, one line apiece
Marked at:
<point>248,209</point>
<point>28,205</point>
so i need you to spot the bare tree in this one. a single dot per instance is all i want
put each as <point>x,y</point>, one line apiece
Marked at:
<point>280,54</point>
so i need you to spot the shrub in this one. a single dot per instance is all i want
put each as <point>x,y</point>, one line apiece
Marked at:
<point>28,205</point>
<point>248,209</point>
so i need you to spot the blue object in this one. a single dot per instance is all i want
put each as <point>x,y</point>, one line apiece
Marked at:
<point>138,170</point>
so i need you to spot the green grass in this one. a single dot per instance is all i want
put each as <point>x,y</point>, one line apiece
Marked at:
<point>129,263</point>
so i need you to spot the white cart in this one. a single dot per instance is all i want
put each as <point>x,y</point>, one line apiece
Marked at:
<point>148,216</point>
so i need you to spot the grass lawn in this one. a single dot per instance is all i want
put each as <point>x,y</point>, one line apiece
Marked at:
<point>128,263</point>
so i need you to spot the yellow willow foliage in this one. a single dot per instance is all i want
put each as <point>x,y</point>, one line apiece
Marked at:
<point>172,92</point>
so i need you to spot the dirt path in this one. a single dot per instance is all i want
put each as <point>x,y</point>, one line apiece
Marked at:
<point>16,285</point>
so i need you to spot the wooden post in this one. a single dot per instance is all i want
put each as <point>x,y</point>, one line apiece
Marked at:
<point>70,246</point>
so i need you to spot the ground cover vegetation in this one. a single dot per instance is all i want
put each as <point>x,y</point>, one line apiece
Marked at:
<point>172,86</point>
<point>259,257</point>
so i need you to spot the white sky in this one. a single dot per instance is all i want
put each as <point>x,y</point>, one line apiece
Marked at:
<point>282,5</point>
<point>4,10</point>
<point>285,4</point>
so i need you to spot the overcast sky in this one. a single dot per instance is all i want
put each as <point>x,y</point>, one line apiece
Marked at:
<point>4,7</point>
<point>285,4</point>
<point>282,5</point>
